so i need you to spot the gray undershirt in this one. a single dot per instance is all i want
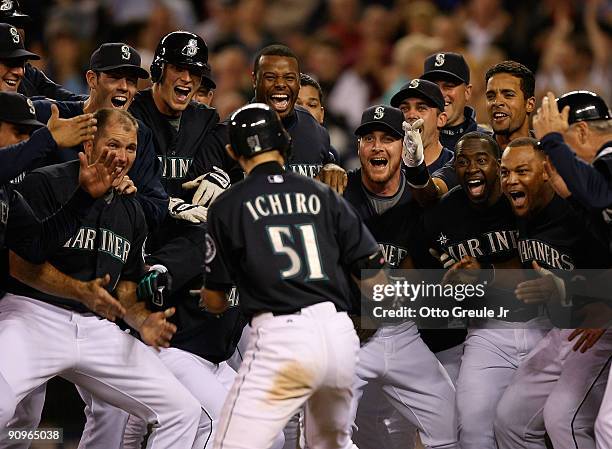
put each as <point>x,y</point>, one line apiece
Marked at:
<point>175,122</point>
<point>382,204</point>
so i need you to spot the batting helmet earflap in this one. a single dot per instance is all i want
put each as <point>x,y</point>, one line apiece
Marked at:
<point>584,106</point>
<point>180,48</point>
<point>257,128</point>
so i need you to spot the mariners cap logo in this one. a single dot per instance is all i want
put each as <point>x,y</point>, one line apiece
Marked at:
<point>253,142</point>
<point>379,112</point>
<point>15,34</point>
<point>31,107</point>
<point>414,83</point>
<point>439,60</point>
<point>6,5</point>
<point>125,52</point>
<point>191,49</point>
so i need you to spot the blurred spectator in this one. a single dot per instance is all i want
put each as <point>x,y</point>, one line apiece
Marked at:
<point>342,27</point>
<point>485,21</point>
<point>419,17</point>
<point>232,72</point>
<point>346,92</point>
<point>408,55</point>
<point>575,61</point>
<point>65,62</point>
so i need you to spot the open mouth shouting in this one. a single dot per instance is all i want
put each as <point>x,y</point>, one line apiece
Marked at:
<point>518,199</point>
<point>182,93</point>
<point>379,163</point>
<point>280,102</point>
<point>476,187</point>
<point>119,101</point>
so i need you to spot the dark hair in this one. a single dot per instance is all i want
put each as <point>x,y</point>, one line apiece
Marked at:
<point>476,135</point>
<point>307,80</point>
<point>524,142</point>
<point>106,115</point>
<point>517,70</point>
<point>274,50</point>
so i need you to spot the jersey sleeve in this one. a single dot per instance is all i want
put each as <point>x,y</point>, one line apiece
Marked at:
<point>447,174</point>
<point>213,154</point>
<point>146,174</point>
<point>586,183</point>
<point>43,86</point>
<point>23,156</point>
<point>218,271</point>
<point>354,239</point>
<point>36,239</point>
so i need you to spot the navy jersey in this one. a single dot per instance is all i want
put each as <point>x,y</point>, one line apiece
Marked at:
<point>394,230</point>
<point>145,172</point>
<point>449,135</point>
<point>559,238</point>
<point>175,149</point>
<point>457,227</point>
<point>310,148</point>
<point>285,241</point>
<point>109,239</point>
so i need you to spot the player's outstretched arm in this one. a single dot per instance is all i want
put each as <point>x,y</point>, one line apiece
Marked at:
<point>154,328</point>
<point>48,279</point>
<point>70,132</point>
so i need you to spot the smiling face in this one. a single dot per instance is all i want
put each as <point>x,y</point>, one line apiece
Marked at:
<point>456,95</point>
<point>524,180</point>
<point>477,171</point>
<point>176,88</point>
<point>277,83</point>
<point>380,154</point>
<point>114,89</point>
<point>416,108</point>
<point>11,74</point>
<point>507,106</point>
<point>118,136</point>
<point>309,99</point>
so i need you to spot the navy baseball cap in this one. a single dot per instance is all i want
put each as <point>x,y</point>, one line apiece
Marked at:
<point>584,106</point>
<point>11,44</point>
<point>420,89</point>
<point>446,66</point>
<point>18,109</point>
<point>117,55</point>
<point>10,12</point>
<point>381,117</point>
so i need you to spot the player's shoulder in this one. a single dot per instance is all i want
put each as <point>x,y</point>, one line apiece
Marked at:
<point>64,170</point>
<point>451,203</point>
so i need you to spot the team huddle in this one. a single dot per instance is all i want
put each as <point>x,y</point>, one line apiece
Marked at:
<point>200,281</point>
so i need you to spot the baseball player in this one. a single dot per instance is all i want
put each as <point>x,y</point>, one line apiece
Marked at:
<point>13,57</point>
<point>583,127</point>
<point>303,347</point>
<point>23,139</point>
<point>310,97</point>
<point>203,342</point>
<point>34,82</point>
<point>114,71</point>
<point>483,227</point>
<point>48,324</point>
<point>451,73</point>
<point>555,389</point>
<point>276,82</point>
<point>417,385</point>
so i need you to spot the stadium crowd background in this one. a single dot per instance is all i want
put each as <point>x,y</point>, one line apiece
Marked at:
<point>360,52</point>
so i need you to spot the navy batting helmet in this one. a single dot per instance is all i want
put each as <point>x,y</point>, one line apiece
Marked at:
<point>181,48</point>
<point>10,12</point>
<point>257,128</point>
<point>584,106</point>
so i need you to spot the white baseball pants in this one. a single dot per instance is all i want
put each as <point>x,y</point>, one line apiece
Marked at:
<point>305,358</point>
<point>41,341</point>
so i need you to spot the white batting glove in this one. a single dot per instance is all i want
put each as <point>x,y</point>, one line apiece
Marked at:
<point>446,260</point>
<point>412,152</point>
<point>184,211</point>
<point>559,284</point>
<point>210,185</point>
